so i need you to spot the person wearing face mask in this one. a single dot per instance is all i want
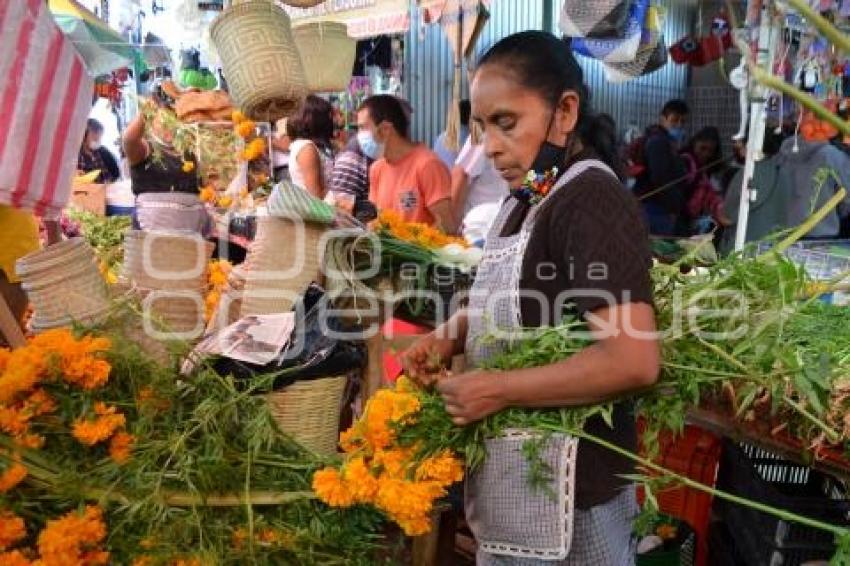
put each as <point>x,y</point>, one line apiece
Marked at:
<point>406,177</point>
<point>570,243</point>
<point>94,157</point>
<point>661,183</point>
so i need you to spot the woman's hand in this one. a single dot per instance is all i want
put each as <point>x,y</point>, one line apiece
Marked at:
<point>424,361</point>
<point>473,396</point>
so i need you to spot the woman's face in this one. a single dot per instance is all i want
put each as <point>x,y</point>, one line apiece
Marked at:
<point>704,151</point>
<point>514,120</point>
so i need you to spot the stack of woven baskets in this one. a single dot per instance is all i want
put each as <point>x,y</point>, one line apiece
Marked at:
<point>168,270</point>
<point>64,285</point>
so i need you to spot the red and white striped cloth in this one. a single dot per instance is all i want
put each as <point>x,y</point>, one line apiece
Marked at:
<point>45,99</point>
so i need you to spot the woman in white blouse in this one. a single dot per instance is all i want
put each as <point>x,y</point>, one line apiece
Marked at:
<point>311,153</point>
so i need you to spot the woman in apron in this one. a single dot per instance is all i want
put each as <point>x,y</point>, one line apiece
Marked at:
<point>167,192</point>
<point>570,242</point>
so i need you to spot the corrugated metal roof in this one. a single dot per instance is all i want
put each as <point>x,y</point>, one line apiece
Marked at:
<point>429,69</point>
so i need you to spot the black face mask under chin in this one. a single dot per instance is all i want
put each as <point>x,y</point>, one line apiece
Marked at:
<point>549,155</point>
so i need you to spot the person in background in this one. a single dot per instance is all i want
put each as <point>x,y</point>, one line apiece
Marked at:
<point>477,191</point>
<point>165,183</point>
<point>94,157</point>
<point>280,151</point>
<point>349,182</point>
<point>704,158</point>
<point>661,182</point>
<point>768,210</point>
<point>406,177</point>
<point>446,155</point>
<point>739,158</point>
<point>311,130</point>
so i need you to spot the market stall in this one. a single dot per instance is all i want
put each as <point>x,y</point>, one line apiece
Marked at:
<point>168,406</point>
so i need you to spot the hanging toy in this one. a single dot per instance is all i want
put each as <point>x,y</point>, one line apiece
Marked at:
<point>701,51</point>
<point>740,79</point>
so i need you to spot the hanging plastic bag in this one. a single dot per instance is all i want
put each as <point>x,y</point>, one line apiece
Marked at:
<point>618,50</point>
<point>600,19</point>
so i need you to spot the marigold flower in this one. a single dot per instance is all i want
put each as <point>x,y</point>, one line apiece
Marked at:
<point>73,538</point>
<point>13,475</point>
<point>404,499</point>
<point>245,129</point>
<point>330,488</point>
<point>188,166</point>
<point>12,529</point>
<point>359,481</point>
<point>416,526</point>
<point>350,441</point>
<point>13,421</point>
<point>39,403</point>
<point>31,441</point>
<point>236,117</point>
<point>121,447</point>
<point>14,558</point>
<point>444,469</point>
<point>225,201</point>
<point>208,194</point>
<point>90,432</point>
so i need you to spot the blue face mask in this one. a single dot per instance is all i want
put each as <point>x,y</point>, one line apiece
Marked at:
<point>678,134</point>
<point>370,147</point>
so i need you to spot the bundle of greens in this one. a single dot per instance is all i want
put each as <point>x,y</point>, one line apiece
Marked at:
<point>103,233</point>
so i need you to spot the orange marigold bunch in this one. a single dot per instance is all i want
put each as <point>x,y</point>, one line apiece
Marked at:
<point>217,275</point>
<point>121,447</point>
<point>423,235</point>
<point>75,538</point>
<point>93,431</point>
<point>255,149</point>
<point>380,472</point>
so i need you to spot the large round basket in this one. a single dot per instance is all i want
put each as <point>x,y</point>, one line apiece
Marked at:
<point>261,63</point>
<point>328,55</point>
<point>283,260</point>
<point>308,411</point>
<point>64,285</point>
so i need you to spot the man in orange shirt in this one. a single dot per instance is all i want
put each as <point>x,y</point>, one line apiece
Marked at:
<point>407,177</point>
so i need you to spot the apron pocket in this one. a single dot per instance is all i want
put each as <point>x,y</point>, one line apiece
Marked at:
<point>509,516</point>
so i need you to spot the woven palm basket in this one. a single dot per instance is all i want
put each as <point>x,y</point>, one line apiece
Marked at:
<point>64,285</point>
<point>308,411</point>
<point>282,262</point>
<point>264,72</point>
<point>327,54</point>
<point>165,260</point>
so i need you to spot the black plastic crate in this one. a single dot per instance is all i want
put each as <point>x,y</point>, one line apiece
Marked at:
<point>762,539</point>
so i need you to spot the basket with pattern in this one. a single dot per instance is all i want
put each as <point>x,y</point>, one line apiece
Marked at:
<point>283,260</point>
<point>262,65</point>
<point>309,411</point>
<point>327,54</point>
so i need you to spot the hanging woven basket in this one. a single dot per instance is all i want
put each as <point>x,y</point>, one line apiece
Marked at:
<point>327,54</point>
<point>261,63</point>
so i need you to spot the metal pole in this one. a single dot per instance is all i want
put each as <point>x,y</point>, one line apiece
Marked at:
<point>766,49</point>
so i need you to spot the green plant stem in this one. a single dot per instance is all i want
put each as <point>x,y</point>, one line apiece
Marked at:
<point>832,436</point>
<point>823,25</point>
<point>812,221</point>
<point>688,482</point>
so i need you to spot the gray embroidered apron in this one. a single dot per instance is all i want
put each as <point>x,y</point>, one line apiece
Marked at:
<point>514,523</point>
<point>172,212</point>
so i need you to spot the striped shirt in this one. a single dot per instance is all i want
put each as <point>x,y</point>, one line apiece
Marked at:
<point>351,175</point>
